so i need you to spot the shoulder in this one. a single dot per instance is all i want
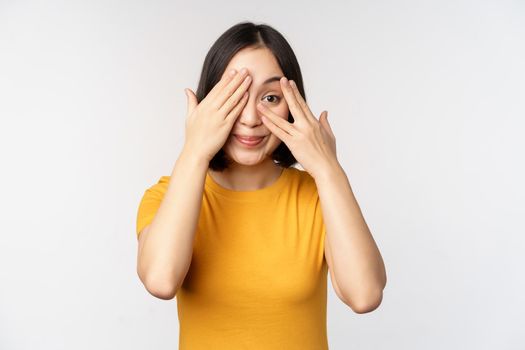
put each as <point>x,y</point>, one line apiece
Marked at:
<point>302,176</point>
<point>164,180</point>
<point>159,188</point>
<point>303,181</point>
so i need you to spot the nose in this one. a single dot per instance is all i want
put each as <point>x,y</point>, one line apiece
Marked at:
<point>249,115</point>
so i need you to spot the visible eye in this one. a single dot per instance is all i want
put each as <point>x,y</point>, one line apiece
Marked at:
<point>277,97</point>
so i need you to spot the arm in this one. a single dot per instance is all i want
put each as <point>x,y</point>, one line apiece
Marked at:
<point>166,245</point>
<point>356,266</point>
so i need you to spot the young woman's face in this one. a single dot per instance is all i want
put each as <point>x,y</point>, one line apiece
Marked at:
<point>261,65</point>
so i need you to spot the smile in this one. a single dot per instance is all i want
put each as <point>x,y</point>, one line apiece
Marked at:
<point>249,141</point>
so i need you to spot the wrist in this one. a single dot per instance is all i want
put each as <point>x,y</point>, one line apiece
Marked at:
<point>193,159</point>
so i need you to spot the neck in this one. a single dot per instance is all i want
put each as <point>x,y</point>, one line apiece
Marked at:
<point>240,177</point>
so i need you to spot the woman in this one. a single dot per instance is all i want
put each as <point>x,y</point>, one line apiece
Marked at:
<point>236,232</point>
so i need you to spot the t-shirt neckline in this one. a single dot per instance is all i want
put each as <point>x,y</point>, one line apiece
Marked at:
<point>266,192</point>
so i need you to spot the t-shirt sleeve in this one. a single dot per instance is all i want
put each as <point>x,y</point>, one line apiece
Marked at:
<point>318,222</point>
<point>315,215</point>
<point>150,203</point>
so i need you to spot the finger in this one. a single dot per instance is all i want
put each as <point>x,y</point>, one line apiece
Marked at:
<point>225,93</point>
<point>237,95</point>
<point>234,113</point>
<point>323,119</point>
<point>276,129</point>
<point>284,125</point>
<point>225,80</point>
<point>293,105</point>
<point>301,102</point>
<point>191,100</point>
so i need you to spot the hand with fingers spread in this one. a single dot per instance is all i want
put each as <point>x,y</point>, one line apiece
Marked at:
<point>209,123</point>
<point>311,140</point>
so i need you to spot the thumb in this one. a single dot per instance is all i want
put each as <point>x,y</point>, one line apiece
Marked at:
<point>324,122</point>
<point>191,100</point>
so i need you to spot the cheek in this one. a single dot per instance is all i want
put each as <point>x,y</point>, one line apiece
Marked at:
<point>282,111</point>
<point>273,142</point>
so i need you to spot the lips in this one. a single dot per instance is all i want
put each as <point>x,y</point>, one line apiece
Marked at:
<point>249,140</point>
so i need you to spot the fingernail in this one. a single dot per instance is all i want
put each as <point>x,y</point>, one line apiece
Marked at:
<point>293,83</point>
<point>232,72</point>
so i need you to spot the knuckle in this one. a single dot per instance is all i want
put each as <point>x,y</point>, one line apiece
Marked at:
<point>214,105</point>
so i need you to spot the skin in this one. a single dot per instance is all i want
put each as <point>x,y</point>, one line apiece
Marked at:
<point>166,245</point>
<point>253,168</point>
<point>356,267</point>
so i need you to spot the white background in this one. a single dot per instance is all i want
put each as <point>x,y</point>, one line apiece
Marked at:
<point>427,102</point>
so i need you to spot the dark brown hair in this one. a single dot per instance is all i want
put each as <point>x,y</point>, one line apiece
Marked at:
<point>240,36</point>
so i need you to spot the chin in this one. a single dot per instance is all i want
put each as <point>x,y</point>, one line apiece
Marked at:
<point>244,158</point>
<point>248,161</point>
<point>239,155</point>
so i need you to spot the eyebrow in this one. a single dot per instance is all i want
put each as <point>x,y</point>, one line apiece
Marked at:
<point>271,80</point>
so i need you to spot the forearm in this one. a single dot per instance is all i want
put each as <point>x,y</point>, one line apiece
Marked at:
<point>357,263</point>
<point>168,247</point>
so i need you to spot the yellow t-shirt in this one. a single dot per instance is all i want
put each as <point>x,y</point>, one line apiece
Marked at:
<point>258,275</point>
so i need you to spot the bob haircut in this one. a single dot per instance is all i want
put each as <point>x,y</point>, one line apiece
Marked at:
<point>240,36</point>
